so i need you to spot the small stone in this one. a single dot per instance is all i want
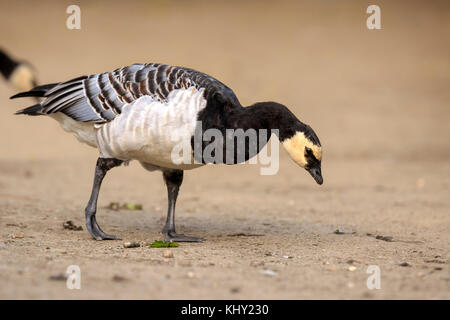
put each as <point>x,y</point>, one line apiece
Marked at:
<point>2,245</point>
<point>190,274</point>
<point>288,257</point>
<point>332,269</point>
<point>69,225</point>
<point>352,261</point>
<point>185,251</point>
<point>18,235</point>
<point>385,238</point>
<point>404,264</point>
<point>168,254</point>
<point>58,277</point>
<point>268,272</point>
<point>131,244</point>
<point>117,278</point>
<point>351,268</point>
<point>235,290</point>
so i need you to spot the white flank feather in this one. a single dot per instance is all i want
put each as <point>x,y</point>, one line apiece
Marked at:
<point>148,130</point>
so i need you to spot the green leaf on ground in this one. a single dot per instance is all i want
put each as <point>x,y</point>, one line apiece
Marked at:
<point>162,244</point>
<point>132,206</point>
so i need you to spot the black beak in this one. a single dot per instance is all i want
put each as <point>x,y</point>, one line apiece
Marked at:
<point>316,173</point>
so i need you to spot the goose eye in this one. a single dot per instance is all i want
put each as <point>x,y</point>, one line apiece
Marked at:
<point>308,151</point>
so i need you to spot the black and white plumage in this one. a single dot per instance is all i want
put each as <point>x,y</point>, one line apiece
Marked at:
<point>101,97</point>
<point>143,111</point>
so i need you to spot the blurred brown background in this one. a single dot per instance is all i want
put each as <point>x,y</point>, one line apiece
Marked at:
<point>378,100</point>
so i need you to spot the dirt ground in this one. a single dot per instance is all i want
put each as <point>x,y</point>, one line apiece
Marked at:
<point>378,99</point>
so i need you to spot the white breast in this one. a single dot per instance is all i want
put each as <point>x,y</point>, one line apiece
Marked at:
<point>148,130</point>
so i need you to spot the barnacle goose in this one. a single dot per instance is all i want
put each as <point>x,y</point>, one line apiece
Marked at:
<point>20,74</point>
<point>141,112</point>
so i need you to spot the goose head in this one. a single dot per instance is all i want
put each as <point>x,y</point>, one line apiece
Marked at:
<point>303,146</point>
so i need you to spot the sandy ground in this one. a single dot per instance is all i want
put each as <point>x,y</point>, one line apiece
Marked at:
<point>379,101</point>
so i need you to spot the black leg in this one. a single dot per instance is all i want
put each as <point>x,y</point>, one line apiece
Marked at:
<point>102,167</point>
<point>173,180</point>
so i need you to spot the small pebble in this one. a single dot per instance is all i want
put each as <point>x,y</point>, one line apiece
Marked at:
<point>235,290</point>
<point>268,272</point>
<point>385,238</point>
<point>2,245</point>
<point>58,277</point>
<point>69,225</point>
<point>404,264</point>
<point>190,274</point>
<point>19,235</point>
<point>117,278</point>
<point>131,244</point>
<point>351,268</point>
<point>168,254</point>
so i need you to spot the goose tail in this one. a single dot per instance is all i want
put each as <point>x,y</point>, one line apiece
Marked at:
<point>34,110</point>
<point>36,92</point>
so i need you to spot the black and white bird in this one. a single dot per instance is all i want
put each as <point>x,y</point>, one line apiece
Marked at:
<point>19,73</point>
<point>143,111</point>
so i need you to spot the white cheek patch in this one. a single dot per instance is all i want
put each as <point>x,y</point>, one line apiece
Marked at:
<point>296,145</point>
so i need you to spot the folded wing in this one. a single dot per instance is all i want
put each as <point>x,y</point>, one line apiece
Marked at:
<point>101,97</point>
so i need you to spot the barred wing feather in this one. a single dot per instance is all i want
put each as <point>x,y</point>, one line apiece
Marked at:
<point>100,97</point>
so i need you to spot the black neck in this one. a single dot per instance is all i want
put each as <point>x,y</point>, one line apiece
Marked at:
<point>7,65</point>
<point>266,116</point>
<point>269,116</point>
